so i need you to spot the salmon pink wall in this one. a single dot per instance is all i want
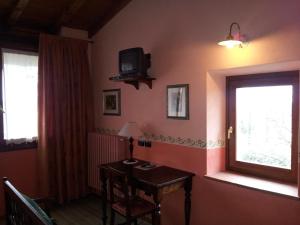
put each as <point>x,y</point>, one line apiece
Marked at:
<point>21,169</point>
<point>181,37</point>
<point>215,203</point>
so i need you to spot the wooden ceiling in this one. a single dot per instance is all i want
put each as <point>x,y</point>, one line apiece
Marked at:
<point>23,20</point>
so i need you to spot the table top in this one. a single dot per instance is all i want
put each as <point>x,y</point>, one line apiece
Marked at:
<point>158,177</point>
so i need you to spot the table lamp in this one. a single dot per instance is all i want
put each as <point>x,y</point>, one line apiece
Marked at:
<point>130,130</point>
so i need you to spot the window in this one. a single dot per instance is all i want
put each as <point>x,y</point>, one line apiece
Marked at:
<point>262,123</point>
<point>18,123</point>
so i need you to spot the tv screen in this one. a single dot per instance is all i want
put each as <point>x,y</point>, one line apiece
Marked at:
<point>131,61</point>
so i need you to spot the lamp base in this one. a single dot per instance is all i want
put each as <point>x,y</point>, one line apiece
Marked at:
<point>130,161</point>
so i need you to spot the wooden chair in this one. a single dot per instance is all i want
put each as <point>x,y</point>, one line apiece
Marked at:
<point>125,202</point>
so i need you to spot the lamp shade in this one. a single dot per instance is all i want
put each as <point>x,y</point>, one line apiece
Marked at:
<point>231,41</point>
<point>130,129</point>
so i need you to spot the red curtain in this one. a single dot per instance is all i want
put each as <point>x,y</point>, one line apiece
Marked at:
<point>65,117</point>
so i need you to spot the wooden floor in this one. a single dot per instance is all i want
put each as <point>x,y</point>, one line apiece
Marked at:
<point>86,211</point>
<point>82,212</point>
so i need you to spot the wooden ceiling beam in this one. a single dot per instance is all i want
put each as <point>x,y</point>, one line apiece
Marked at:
<point>3,26</point>
<point>68,14</point>
<point>108,16</point>
<point>21,41</point>
<point>27,31</point>
<point>17,12</point>
<point>20,37</point>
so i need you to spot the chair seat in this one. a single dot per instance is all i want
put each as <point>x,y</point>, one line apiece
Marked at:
<point>138,207</point>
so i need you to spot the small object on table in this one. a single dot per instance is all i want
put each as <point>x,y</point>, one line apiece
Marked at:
<point>146,166</point>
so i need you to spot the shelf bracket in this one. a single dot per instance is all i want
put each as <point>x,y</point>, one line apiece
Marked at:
<point>148,82</point>
<point>134,83</point>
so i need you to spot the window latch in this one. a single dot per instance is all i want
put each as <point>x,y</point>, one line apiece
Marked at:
<point>229,132</point>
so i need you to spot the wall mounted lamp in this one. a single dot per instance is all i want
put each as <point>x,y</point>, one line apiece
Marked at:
<point>232,41</point>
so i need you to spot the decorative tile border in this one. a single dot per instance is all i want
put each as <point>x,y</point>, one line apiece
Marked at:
<point>107,131</point>
<point>189,142</point>
<point>197,143</point>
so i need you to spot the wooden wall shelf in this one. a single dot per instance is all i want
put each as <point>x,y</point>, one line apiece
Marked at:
<point>134,80</point>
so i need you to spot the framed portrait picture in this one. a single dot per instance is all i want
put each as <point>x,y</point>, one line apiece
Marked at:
<point>178,101</point>
<point>112,102</point>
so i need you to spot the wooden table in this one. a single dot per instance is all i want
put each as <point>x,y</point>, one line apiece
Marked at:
<point>157,181</point>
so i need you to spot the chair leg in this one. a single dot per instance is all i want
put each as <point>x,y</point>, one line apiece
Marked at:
<point>153,218</point>
<point>112,217</point>
<point>128,221</point>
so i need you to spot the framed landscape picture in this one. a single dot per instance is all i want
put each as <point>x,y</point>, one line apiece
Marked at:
<point>178,101</point>
<point>112,102</point>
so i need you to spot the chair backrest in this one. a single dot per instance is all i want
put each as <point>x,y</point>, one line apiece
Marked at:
<point>19,211</point>
<point>119,188</point>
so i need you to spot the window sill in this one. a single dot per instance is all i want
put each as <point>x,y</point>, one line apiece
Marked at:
<point>260,184</point>
<point>17,147</point>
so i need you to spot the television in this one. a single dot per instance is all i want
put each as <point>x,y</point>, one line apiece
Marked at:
<point>133,62</point>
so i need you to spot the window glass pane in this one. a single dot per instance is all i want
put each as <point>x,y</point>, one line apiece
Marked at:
<point>264,125</point>
<point>19,83</point>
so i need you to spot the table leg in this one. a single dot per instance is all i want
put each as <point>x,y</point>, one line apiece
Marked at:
<point>187,201</point>
<point>157,200</point>
<point>103,177</point>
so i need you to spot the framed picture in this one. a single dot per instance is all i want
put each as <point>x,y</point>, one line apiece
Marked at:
<point>112,102</point>
<point>178,101</point>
